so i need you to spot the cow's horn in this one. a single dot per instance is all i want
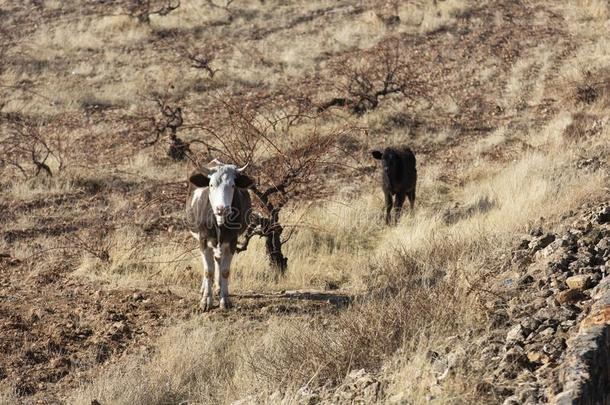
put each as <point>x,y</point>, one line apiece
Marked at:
<point>216,162</point>
<point>241,169</point>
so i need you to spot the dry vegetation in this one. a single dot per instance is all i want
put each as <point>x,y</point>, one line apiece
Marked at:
<point>105,105</point>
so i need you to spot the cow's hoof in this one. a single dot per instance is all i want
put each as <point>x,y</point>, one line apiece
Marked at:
<point>206,304</point>
<point>225,303</point>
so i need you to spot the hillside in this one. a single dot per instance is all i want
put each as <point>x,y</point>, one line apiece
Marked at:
<point>106,106</point>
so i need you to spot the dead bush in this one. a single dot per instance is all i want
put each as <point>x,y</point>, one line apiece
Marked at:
<point>26,148</point>
<point>361,79</point>
<point>595,88</point>
<point>201,58</point>
<point>262,130</point>
<point>164,124</point>
<point>141,10</point>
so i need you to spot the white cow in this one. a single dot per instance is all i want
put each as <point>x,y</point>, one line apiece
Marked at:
<point>217,212</point>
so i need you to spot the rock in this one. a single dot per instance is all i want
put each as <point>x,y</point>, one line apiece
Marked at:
<point>529,324</point>
<point>538,357</point>
<point>525,280</point>
<point>523,244</point>
<point>514,355</point>
<point>569,296</point>
<point>542,242</point>
<point>580,282</point>
<point>603,247</point>
<point>603,216</point>
<point>515,334</point>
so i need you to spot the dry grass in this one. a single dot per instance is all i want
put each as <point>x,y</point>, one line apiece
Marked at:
<point>417,278</point>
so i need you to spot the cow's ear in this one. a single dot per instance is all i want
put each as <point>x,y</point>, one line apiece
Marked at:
<point>243,181</point>
<point>199,180</point>
<point>377,154</point>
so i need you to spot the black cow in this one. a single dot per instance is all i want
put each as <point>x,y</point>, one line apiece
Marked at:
<point>399,178</point>
<point>217,212</point>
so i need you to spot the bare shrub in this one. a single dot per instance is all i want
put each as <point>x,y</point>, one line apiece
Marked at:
<point>25,148</point>
<point>364,78</point>
<point>143,9</point>
<point>165,124</point>
<point>201,58</point>
<point>288,150</point>
<point>595,88</point>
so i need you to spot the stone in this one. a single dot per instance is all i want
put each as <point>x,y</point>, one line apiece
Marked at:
<point>603,216</point>
<point>515,334</point>
<point>529,324</point>
<point>580,282</point>
<point>542,242</point>
<point>523,244</point>
<point>525,280</point>
<point>603,247</point>
<point>569,296</point>
<point>514,355</point>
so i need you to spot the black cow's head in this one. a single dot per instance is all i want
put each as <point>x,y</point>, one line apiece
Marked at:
<point>389,160</point>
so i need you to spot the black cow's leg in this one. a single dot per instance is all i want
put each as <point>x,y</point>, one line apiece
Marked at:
<point>388,207</point>
<point>411,197</point>
<point>398,203</point>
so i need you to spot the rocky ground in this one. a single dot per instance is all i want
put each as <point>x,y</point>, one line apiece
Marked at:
<point>558,272</point>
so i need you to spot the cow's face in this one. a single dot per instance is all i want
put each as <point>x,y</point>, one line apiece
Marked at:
<point>389,160</point>
<point>222,181</point>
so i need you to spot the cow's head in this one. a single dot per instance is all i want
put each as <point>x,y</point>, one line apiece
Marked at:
<point>389,160</point>
<point>222,179</point>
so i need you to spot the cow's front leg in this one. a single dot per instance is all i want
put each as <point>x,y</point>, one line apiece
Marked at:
<point>398,203</point>
<point>207,283</point>
<point>388,207</point>
<point>223,265</point>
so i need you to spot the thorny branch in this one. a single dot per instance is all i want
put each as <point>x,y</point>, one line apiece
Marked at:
<point>143,9</point>
<point>262,129</point>
<point>365,77</point>
<point>26,149</point>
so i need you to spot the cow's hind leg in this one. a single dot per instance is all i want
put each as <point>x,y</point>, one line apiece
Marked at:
<point>223,265</point>
<point>398,203</point>
<point>207,284</point>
